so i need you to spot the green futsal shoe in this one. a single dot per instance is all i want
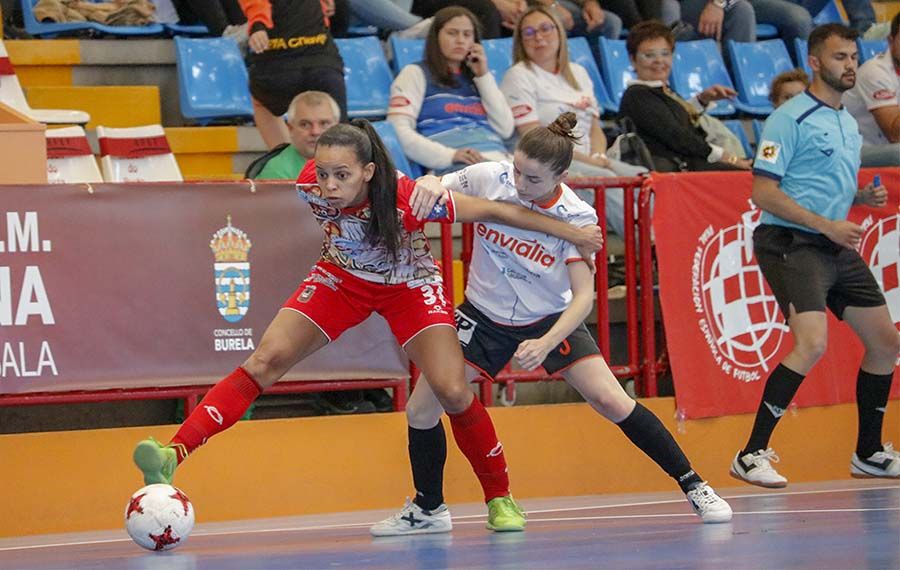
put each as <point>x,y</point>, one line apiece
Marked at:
<point>156,461</point>
<point>504,515</point>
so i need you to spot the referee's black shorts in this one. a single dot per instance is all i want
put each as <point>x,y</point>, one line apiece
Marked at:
<point>489,346</point>
<point>811,272</point>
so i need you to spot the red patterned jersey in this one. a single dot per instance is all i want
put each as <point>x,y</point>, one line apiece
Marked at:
<point>346,245</point>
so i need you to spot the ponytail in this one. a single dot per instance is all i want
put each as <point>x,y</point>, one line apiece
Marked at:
<point>553,145</point>
<point>384,226</point>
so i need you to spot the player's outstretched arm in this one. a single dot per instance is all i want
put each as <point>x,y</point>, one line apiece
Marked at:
<point>532,352</point>
<point>768,196</point>
<point>469,209</point>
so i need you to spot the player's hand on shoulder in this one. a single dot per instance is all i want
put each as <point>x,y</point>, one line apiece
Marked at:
<point>428,192</point>
<point>871,195</point>
<point>590,238</point>
<point>844,232</point>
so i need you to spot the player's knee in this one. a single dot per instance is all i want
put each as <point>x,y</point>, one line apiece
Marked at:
<point>455,397</point>
<point>886,344</point>
<point>422,416</point>
<point>266,364</point>
<point>811,347</point>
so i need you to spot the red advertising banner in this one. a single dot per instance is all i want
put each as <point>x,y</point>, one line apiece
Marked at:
<point>724,330</point>
<point>140,285</point>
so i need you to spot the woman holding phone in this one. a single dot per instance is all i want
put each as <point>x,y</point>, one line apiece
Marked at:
<point>447,109</point>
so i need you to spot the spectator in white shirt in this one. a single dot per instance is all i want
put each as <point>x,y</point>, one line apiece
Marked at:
<point>875,103</point>
<point>543,83</point>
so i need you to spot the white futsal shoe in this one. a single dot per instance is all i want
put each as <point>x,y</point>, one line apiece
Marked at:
<point>884,463</point>
<point>412,519</point>
<point>756,468</point>
<point>708,505</point>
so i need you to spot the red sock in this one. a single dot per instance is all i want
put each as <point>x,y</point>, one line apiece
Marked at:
<point>474,433</point>
<point>222,406</point>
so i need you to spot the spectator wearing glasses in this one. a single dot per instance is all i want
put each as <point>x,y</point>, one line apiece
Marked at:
<point>669,125</point>
<point>447,109</point>
<point>542,83</point>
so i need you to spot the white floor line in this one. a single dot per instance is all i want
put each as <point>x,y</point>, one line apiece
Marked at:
<point>675,501</point>
<point>460,519</point>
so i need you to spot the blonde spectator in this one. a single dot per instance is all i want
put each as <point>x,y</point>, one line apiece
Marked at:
<point>543,83</point>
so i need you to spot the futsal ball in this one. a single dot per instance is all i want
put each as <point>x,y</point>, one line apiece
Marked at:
<point>159,517</point>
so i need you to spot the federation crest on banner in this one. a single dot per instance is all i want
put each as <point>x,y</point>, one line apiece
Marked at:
<point>741,321</point>
<point>879,249</point>
<point>231,248</point>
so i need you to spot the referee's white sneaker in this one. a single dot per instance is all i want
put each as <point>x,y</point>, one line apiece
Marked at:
<point>708,505</point>
<point>412,519</point>
<point>885,463</point>
<point>756,468</point>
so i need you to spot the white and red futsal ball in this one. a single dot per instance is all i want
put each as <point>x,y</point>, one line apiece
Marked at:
<point>159,517</point>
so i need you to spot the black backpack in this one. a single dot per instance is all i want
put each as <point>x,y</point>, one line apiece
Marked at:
<point>632,148</point>
<point>257,165</point>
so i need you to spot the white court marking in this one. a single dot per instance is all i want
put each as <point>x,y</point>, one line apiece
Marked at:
<point>530,520</point>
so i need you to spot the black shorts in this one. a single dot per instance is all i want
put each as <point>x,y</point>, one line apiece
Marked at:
<point>811,272</point>
<point>490,346</point>
<point>275,85</point>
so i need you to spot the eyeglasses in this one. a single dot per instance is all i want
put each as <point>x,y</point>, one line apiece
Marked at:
<point>544,29</point>
<point>651,55</point>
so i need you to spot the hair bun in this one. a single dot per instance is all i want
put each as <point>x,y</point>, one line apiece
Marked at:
<point>564,125</point>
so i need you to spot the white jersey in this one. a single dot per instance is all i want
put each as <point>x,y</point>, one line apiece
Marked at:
<point>877,86</point>
<point>538,96</point>
<point>518,276</point>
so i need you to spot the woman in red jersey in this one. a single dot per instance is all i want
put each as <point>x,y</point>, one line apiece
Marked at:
<point>375,258</point>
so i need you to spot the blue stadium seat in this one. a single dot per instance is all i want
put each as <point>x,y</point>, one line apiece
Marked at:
<point>758,129</point>
<point>766,31</point>
<point>755,65</point>
<point>406,51</point>
<point>212,79</point>
<point>801,49</point>
<point>580,53</point>
<point>367,76</point>
<point>361,30</point>
<point>829,14</point>
<point>193,30</point>
<point>51,29</point>
<point>48,29</point>
<point>737,128</point>
<point>870,48</point>
<point>499,54</point>
<point>697,65</point>
<point>616,68</point>
<point>389,137</point>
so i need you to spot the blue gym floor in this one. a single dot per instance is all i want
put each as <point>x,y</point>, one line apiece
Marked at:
<point>840,525</point>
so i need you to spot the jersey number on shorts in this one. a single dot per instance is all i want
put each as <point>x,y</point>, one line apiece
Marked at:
<point>431,296</point>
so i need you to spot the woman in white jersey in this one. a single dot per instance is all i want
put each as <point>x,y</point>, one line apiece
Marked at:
<point>527,296</point>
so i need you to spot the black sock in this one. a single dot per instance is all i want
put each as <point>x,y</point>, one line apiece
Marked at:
<point>648,433</point>
<point>872,392</point>
<point>427,455</point>
<point>780,389</point>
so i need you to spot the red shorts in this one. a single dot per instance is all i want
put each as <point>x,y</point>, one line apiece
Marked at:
<point>335,300</point>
